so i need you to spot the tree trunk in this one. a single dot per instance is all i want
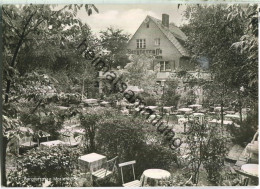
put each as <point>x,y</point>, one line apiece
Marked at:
<point>4,180</point>
<point>8,84</point>
<point>92,144</point>
<point>222,113</point>
<point>83,88</point>
<point>240,106</point>
<point>92,140</point>
<point>240,113</point>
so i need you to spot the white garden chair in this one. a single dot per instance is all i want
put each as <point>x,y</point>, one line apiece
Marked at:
<point>134,183</point>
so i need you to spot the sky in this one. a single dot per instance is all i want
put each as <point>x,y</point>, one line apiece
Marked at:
<point>129,16</point>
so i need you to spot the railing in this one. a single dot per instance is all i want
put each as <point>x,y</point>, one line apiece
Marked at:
<point>164,75</point>
<point>173,75</point>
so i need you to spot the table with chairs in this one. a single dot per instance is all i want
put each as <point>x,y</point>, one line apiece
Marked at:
<point>99,169</point>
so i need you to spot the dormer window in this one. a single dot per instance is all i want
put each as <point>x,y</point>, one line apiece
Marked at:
<point>147,25</point>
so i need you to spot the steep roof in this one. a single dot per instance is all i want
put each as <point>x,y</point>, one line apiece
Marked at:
<point>173,33</point>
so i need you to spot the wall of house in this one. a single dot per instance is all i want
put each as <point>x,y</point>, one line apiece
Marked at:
<point>169,51</point>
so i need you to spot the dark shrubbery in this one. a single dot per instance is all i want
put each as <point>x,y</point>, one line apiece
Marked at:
<point>244,134</point>
<point>49,163</point>
<point>126,137</point>
<point>48,119</point>
<point>149,99</point>
<point>171,98</point>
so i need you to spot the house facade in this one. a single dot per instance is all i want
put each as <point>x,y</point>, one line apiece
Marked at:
<point>164,40</point>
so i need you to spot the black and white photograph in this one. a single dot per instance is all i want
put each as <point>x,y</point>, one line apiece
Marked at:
<point>129,94</point>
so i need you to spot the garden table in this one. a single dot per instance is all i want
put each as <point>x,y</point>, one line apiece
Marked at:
<point>28,144</point>
<point>185,110</point>
<point>90,101</point>
<point>91,162</point>
<point>195,105</point>
<point>152,107</point>
<point>234,116</point>
<point>104,103</point>
<point>250,169</point>
<point>198,114</point>
<point>225,122</point>
<point>62,107</point>
<point>249,174</point>
<point>230,112</point>
<point>217,108</point>
<point>151,177</point>
<point>26,130</point>
<point>167,108</point>
<point>52,143</point>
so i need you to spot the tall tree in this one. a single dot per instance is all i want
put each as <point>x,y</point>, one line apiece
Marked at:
<point>27,26</point>
<point>248,46</point>
<point>211,34</point>
<point>28,21</point>
<point>115,41</point>
<point>139,73</point>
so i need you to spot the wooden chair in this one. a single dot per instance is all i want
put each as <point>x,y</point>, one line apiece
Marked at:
<point>135,183</point>
<point>105,173</point>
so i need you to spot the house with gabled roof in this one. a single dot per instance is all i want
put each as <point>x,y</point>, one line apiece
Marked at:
<point>165,41</point>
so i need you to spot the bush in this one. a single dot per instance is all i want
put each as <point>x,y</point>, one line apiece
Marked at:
<point>90,120</point>
<point>155,156</point>
<point>48,119</point>
<point>171,98</point>
<point>49,163</point>
<point>149,99</point>
<point>125,137</point>
<point>244,134</point>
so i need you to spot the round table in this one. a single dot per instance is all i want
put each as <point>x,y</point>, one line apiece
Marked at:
<point>151,177</point>
<point>250,169</point>
<point>185,110</point>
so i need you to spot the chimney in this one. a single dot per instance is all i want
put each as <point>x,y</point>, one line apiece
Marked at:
<point>165,20</point>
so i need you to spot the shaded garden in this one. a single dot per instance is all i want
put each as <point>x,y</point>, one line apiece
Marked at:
<point>46,91</point>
